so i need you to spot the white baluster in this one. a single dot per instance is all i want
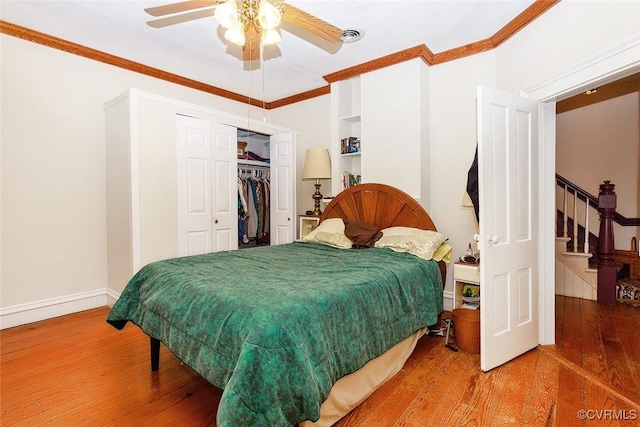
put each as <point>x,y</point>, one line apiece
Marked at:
<point>565,221</point>
<point>586,228</point>
<point>575,221</point>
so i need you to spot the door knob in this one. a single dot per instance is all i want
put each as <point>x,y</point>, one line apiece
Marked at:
<point>215,220</point>
<point>492,239</point>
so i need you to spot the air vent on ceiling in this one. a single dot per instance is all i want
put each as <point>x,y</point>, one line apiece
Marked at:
<point>351,35</point>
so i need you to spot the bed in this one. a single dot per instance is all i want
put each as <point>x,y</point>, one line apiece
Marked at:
<point>290,333</point>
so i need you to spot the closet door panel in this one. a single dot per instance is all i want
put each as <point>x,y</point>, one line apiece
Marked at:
<point>194,186</point>
<point>224,195</point>
<point>283,205</point>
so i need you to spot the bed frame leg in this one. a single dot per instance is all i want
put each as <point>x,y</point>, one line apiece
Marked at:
<point>155,354</point>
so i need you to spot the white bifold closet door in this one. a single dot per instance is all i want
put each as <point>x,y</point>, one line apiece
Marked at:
<point>207,186</point>
<point>283,203</point>
<point>208,190</point>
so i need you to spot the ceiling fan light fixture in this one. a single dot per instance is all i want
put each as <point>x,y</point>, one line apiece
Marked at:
<point>248,23</point>
<point>270,37</point>
<point>227,14</point>
<point>235,35</point>
<point>268,15</point>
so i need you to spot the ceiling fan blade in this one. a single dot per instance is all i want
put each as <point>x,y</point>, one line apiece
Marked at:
<point>184,6</point>
<point>183,17</point>
<point>315,25</point>
<point>251,48</point>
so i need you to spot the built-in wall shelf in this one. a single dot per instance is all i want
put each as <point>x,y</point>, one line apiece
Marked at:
<point>351,119</point>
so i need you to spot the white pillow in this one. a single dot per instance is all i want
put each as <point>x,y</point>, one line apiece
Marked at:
<point>421,243</point>
<point>330,232</point>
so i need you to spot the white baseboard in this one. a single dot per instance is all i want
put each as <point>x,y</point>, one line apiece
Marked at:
<point>112,297</point>
<point>22,314</point>
<point>448,300</point>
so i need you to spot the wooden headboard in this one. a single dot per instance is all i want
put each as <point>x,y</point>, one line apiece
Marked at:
<point>381,205</point>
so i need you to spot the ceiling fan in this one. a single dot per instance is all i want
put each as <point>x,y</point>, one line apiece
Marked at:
<point>248,23</point>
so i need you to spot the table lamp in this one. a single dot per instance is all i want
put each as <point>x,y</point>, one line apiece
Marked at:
<point>317,165</point>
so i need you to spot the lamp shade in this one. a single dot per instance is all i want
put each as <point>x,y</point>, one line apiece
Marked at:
<point>317,164</point>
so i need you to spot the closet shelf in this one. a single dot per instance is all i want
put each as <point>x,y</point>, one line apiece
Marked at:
<point>253,163</point>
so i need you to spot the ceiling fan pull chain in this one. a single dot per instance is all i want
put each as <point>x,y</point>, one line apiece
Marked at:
<point>264,112</point>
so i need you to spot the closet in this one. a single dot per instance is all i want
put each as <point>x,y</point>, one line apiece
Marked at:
<point>172,181</point>
<point>254,189</point>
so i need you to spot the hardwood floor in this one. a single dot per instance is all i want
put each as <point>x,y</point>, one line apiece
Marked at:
<point>77,370</point>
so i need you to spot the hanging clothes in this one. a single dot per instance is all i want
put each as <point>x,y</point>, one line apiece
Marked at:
<point>243,210</point>
<point>253,205</point>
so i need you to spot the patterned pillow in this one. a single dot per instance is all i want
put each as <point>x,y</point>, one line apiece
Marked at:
<point>330,232</point>
<point>628,289</point>
<point>421,243</point>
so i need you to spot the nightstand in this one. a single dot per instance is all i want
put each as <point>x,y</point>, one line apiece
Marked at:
<point>465,274</point>
<point>306,224</point>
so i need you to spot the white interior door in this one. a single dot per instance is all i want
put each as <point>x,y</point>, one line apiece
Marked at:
<point>224,186</point>
<point>283,201</point>
<point>508,184</point>
<point>194,186</point>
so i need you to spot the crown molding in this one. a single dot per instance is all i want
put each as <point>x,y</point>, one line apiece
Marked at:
<point>421,51</point>
<point>96,55</point>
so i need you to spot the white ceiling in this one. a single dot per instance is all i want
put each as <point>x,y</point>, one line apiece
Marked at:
<point>197,49</point>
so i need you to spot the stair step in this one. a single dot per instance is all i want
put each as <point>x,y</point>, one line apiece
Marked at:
<point>578,254</point>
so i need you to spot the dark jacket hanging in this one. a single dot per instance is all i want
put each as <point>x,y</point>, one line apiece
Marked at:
<point>472,185</point>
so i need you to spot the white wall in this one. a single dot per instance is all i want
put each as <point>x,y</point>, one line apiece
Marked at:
<point>567,35</point>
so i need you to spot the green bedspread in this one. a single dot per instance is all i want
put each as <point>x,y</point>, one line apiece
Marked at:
<point>276,326</point>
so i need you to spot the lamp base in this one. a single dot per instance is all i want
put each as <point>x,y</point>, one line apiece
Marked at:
<point>317,197</point>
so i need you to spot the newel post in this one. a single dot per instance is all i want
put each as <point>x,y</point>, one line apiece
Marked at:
<point>606,267</point>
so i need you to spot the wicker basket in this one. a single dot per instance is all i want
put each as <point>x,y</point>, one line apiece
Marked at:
<point>466,324</point>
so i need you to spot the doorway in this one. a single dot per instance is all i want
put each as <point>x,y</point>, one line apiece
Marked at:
<point>607,67</point>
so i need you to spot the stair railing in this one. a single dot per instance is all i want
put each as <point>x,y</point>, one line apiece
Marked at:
<point>571,188</point>
<point>581,203</point>
<point>606,264</point>
<point>605,204</point>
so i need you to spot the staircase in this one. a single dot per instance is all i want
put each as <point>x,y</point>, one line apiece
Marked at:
<point>574,276</point>
<point>586,263</point>
<point>576,272</point>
